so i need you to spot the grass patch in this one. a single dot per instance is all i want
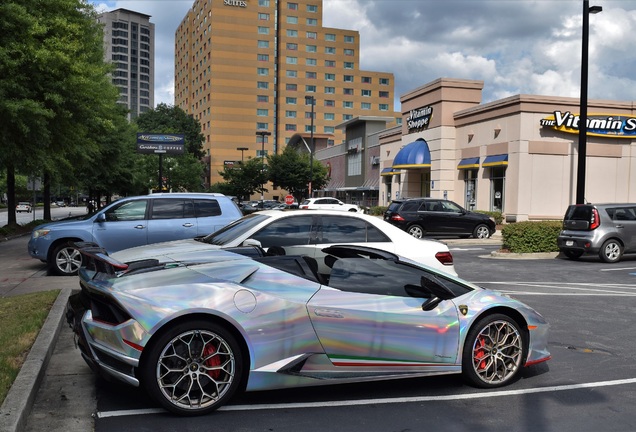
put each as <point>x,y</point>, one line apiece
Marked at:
<point>21,318</point>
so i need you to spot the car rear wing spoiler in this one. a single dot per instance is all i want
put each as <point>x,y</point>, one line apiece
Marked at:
<point>96,258</point>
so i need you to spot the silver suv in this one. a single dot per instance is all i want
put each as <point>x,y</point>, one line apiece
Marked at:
<point>608,230</point>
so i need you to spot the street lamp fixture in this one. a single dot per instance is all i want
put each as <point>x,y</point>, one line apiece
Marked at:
<point>312,101</point>
<point>262,134</point>
<point>581,166</point>
<point>242,149</point>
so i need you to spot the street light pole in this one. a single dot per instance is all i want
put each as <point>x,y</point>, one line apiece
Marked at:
<point>262,134</point>
<point>242,149</point>
<point>581,166</point>
<point>311,143</point>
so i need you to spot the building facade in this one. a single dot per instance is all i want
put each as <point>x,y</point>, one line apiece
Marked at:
<point>517,155</point>
<point>243,66</point>
<point>129,44</point>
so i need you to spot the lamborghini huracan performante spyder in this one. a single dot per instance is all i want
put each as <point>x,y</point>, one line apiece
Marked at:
<point>196,328</point>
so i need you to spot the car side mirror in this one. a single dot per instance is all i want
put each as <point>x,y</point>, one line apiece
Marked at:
<point>252,242</point>
<point>100,218</point>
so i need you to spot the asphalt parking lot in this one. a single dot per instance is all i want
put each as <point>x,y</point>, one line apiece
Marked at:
<point>589,385</point>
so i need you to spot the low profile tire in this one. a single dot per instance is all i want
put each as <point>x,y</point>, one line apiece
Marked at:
<point>481,231</point>
<point>416,231</point>
<point>611,251</point>
<point>494,352</point>
<point>66,260</point>
<point>193,368</point>
<point>573,254</point>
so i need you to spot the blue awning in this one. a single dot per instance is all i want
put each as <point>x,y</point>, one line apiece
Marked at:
<point>413,155</point>
<point>497,160</point>
<point>389,172</point>
<point>468,163</point>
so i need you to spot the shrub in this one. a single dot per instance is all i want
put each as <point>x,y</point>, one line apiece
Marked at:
<point>377,210</point>
<point>531,237</point>
<point>496,215</point>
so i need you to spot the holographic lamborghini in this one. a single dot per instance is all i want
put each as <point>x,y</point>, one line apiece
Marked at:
<point>196,328</point>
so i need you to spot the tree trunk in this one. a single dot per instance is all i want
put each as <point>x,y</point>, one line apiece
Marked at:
<point>11,218</point>
<point>46,196</point>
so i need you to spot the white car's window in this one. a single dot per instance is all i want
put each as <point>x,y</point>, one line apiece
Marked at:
<point>342,229</point>
<point>289,231</point>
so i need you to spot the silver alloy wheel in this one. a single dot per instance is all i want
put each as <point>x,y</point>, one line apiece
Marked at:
<point>416,231</point>
<point>68,260</point>
<point>611,251</point>
<point>195,369</point>
<point>497,352</point>
<point>482,232</point>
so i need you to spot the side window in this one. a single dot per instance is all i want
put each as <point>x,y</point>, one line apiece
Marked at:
<point>205,208</point>
<point>449,206</point>
<point>434,206</point>
<point>622,213</point>
<point>289,231</point>
<point>128,211</point>
<point>410,206</point>
<point>342,229</point>
<point>170,208</point>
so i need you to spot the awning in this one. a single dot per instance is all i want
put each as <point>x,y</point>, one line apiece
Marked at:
<point>413,155</point>
<point>389,172</point>
<point>468,163</point>
<point>497,160</point>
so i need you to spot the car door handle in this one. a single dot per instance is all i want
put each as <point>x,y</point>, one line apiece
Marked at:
<point>140,226</point>
<point>188,225</point>
<point>620,226</point>
<point>328,313</point>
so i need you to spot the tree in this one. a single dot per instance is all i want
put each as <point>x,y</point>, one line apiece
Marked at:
<point>245,178</point>
<point>290,170</point>
<point>182,172</point>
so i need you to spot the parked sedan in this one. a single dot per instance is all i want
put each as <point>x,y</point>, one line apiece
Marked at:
<point>328,204</point>
<point>197,329</point>
<point>23,206</point>
<point>431,216</point>
<point>307,233</point>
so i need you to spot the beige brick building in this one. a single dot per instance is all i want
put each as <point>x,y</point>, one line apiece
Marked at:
<point>243,66</point>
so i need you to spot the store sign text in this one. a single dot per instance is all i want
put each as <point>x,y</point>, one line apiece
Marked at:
<point>237,3</point>
<point>614,126</point>
<point>419,118</point>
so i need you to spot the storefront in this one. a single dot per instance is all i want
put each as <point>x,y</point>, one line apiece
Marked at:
<point>516,155</point>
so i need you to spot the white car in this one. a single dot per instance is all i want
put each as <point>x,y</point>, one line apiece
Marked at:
<point>328,204</point>
<point>23,207</point>
<point>304,233</point>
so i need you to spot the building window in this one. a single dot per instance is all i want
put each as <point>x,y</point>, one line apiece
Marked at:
<point>291,60</point>
<point>308,128</point>
<point>347,91</point>
<point>329,129</point>
<point>263,44</point>
<point>310,75</point>
<point>366,80</point>
<point>291,74</point>
<point>349,39</point>
<point>290,101</point>
<point>330,50</point>
<point>292,6</point>
<point>290,127</point>
<point>330,90</point>
<point>311,62</point>
<point>330,103</point>
<point>308,115</point>
<point>497,188</point>
<point>330,37</point>
<point>261,126</point>
<point>348,78</point>
<point>348,65</point>
<point>330,63</point>
<point>384,107</point>
<point>312,22</point>
<point>312,48</point>
<point>384,94</point>
<point>263,30</point>
<point>292,46</point>
<point>346,117</point>
<point>330,116</point>
<point>348,52</point>
<point>470,186</point>
<point>366,93</point>
<point>312,8</point>
<point>310,88</point>
<point>292,20</point>
<point>263,16</point>
<point>262,112</point>
<point>365,106</point>
<point>262,57</point>
<point>263,3</point>
<point>330,77</point>
<point>291,87</point>
<point>290,114</point>
<point>384,81</point>
<point>292,33</point>
<point>347,104</point>
<point>262,98</point>
<point>263,71</point>
<point>311,35</point>
<point>354,159</point>
<point>262,85</point>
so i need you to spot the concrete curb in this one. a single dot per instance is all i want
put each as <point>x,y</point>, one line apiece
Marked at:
<point>19,401</point>
<point>509,255</point>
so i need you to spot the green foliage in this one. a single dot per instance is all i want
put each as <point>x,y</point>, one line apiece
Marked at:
<point>290,170</point>
<point>496,215</point>
<point>245,178</point>
<point>377,210</point>
<point>531,237</point>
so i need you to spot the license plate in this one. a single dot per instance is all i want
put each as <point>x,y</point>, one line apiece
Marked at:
<point>569,243</point>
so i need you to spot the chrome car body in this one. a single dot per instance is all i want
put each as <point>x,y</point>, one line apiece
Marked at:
<point>194,331</point>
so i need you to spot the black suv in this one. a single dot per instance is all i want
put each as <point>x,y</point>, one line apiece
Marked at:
<point>432,216</point>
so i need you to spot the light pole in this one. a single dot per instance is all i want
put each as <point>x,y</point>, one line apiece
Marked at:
<point>242,149</point>
<point>262,134</point>
<point>311,100</point>
<point>580,171</point>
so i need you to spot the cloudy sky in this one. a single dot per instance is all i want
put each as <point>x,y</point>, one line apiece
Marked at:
<point>514,46</point>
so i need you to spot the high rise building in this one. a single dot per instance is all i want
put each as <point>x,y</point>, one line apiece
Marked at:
<point>243,66</point>
<point>129,43</point>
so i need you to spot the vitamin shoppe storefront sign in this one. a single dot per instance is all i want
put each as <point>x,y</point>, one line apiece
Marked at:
<point>601,125</point>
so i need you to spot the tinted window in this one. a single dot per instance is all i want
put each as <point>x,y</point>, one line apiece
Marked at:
<point>205,208</point>
<point>410,206</point>
<point>622,213</point>
<point>170,208</point>
<point>342,229</point>
<point>234,230</point>
<point>394,206</point>
<point>127,211</point>
<point>289,231</point>
<point>579,212</point>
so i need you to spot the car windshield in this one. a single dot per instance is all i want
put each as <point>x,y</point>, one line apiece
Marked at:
<point>228,233</point>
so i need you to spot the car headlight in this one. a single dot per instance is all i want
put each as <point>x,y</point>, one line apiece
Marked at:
<point>40,232</point>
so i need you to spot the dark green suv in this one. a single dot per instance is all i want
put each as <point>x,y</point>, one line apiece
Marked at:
<point>438,217</point>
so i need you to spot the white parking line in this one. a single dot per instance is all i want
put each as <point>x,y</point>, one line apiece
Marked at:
<point>347,403</point>
<point>565,289</point>
<point>618,269</point>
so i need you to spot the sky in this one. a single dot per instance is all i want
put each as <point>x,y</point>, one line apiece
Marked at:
<point>514,46</point>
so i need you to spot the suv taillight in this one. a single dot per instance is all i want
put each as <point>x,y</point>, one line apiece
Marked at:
<point>595,221</point>
<point>397,218</point>
<point>445,258</point>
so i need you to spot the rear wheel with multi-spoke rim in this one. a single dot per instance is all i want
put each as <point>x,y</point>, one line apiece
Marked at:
<point>194,368</point>
<point>494,351</point>
<point>416,231</point>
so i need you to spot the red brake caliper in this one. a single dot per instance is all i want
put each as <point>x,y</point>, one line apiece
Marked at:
<point>480,353</point>
<point>213,361</point>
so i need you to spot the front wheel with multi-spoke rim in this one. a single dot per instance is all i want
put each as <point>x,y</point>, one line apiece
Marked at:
<point>481,231</point>
<point>193,369</point>
<point>494,351</point>
<point>66,260</point>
